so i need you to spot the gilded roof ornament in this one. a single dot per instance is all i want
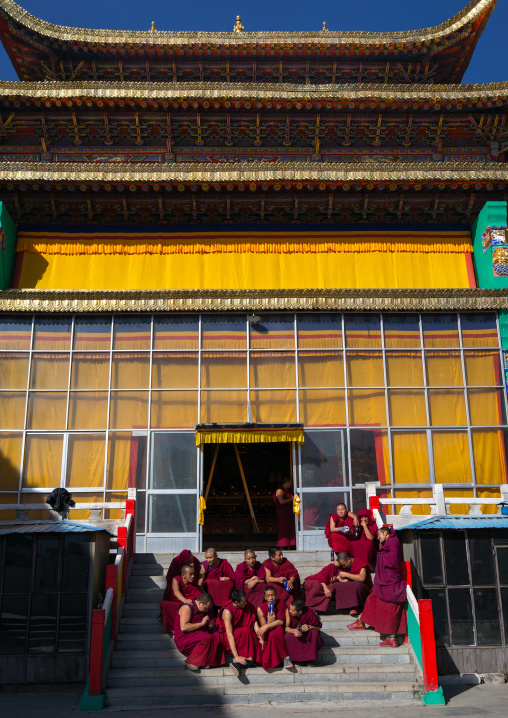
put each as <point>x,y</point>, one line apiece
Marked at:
<point>238,25</point>
<point>325,29</point>
<point>152,29</point>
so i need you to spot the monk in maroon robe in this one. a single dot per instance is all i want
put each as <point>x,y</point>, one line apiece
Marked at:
<point>320,587</point>
<point>385,608</point>
<point>184,589</point>
<point>183,559</point>
<point>365,544</point>
<point>218,577</point>
<point>238,627</point>
<point>250,576</point>
<point>354,583</point>
<point>303,639</point>
<point>192,637</point>
<point>272,620</point>
<point>340,529</point>
<point>281,573</point>
<point>283,497</point>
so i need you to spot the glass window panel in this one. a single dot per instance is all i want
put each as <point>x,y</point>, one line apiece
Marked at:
<point>367,406</point>
<point>131,332</point>
<point>176,331</point>
<point>223,370</point>
<point>174,461</point>
<point>455,552</point>
<point>273,407</point>
<point>461,616</point>
<point>483,368</point>
<point>407,407</point>
<point>490,460</point>
<point>274,331</point>
<point>320,369</point>
<point>432,565</point>
<point>481,557</point>
<point>128,410</point>
<point>12,410</point>
<point>85,461</point>
<point>416,509</point>
<point>451,457</point>
<point>90,371</point>
<point>10,462</point>
<point>88,410</point>
<point>224,331</point>
<point>487,617</point>
<point>479,330</point>
<point>43,461</point>
<point>47,410</point>
<point>42,631</point>
<point>175,370</point>
<point>404,369</point>
<point>319,330</point>
<point>410,457</point>
<point>440,330</point>
<point>172,513</point>
<point>272,369</point>
<point>504,609</point>
<point>402,331</point>
<point>50,371</point>
<point>72,622</point>
<point>141,512</point>
<point>323,459</point>
<point>15,332</point>
<point>362,331</point>
<point>76,562</point>
<point>369,456</point>
<point>92,333</point>
<point>13,371</point>
<point>47,552</point>
<point>52,332</point>
<point>174,409</point>
<point>126,460</point>
<point>364,369</point>
<point>17,563</point>
<point>486,407</point>
<point>13,624</point>
<point>317,507</point>
<point>447,407</point>
<point>224,407</point>
<point>130,371</point>
<point>444,369</point>
<point>440,614</point>
<point>322,407</point>
<point>502,564</point>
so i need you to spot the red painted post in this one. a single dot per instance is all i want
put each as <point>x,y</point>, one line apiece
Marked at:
<point>112,582</point>
<point>96,652</point>
<point>373,503</point>
<point>429,661</point>
<point>130,509</point>
<point>407,572</point>
<point>122,541</point>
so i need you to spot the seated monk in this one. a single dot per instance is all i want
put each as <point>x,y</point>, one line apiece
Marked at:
<point>340,529</point>
<point>192,637</point>
<point>176,565</point>
<point>365,544</point>
<point>385,608</point>
<point>272,619</point>
<point>238,627</point>
<point>219,577</point>
<point>320,587</point>
<point>184,589</point>
<point>250,576</point>
<point>278,571</point>
<point>302,637</point>
<point>354,583</point>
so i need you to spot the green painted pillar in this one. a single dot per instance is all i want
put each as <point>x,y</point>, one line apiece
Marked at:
<point>493,214</point>
<point>8,235</point>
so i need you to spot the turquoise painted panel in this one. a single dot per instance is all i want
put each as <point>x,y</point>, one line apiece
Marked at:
<point>493,214</point>
<point>8,235</point>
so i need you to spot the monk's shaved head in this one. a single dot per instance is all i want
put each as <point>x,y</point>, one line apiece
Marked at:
<point>343,556</point>
<point>210,550</point>
<point>185,568</point>
<point>249,551</point>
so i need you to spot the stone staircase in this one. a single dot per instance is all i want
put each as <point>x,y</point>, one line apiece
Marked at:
<point>147,669</point>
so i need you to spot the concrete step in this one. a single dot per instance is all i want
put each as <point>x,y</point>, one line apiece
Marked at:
<point>236,557</point>
<point>143,595</point>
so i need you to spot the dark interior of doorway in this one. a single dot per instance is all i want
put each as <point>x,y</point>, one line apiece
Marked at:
<point>228,523</point>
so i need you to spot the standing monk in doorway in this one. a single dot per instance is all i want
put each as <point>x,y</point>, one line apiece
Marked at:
<point>283,497</point>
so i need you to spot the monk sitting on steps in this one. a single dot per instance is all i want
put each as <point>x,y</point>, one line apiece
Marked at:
<point>354,583</point>
<point>341,529</point>
<point>320,587</point>
<point>302,638</point>
<point>184,589</point>
<point>272,619</point>
<point>238,626</point>
<point>250,576</point>
<point>193,637</point>
<point>219,577</point>
<point>281,574</point>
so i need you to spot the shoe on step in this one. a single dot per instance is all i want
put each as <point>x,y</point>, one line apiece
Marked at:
<point>190,667</point>
<point>288,662</point>
<point>389,642</point>
<point>235,668</point>
<point>358,625</point>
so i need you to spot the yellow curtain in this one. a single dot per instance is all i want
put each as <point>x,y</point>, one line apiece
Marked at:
<point>447,407</point>
<point>130,371</point>
<point>88,410</point>
<point>489,452</point>
<point>85,461</point>
<point>272,369</point>
<point>407,407</point>
<point>489,494</point>
<point>485,407</point>
<point>90,371</point>
<point>444,369</point>
<point>322,407</point>
<point>175,370</point>
<point>116,513</point>
<point>50,371</point>
<point>124,448</point>
<point>410,458</point>
<point>451,457</point>
<point>367,406</point>
<point>129,410</point>
<point>273,407</point>
<point>10,461</point>
<point>12,410</point>
<point>483,368</point>
<point>47,410</point>
<point>459,494</point>
<point>13,371</point>
<point>221,370</point>
<point>174,409</point>
<point>323,368</point>
<point>404,369</point>
<point>364,369</point>
<point>416,509</point>
<point>43,461</point>
<point>249,436</point>
<point>8,499</point>
<point>224,407</point>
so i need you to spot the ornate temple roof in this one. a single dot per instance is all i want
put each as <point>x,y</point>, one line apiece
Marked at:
<point>42,50</point>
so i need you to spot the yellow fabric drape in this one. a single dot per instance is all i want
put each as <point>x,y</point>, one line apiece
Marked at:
<point>410,458</point>
<point>88,410</point>
<point>248,436</point>
<point>12,410</point>
<point>451,457</point>
<point>323,407</point>
<point>456,494</point>
<point>447,407</point>
<point>489,452</point>
<point>129,410</point>
<point>174,409</point>
<point>407,407</point>
<point>485,407</point>
<point>489,494</point>
<point>296,505</point>
<point>10,461</point>
<point>273,407</point>
<point>224,407</point>
<point>222,370</point>
<point>85,461</point>
<point>269,369</point>
<point>404,369</point>
<point>364,369</point>
<point>202,509</point>
<point>444,369</point>
<point>416,509</point>
<point>130,371</point>
<point>483,368</point>
<point>367,406</point>
<point>43,461</point>
<point>49,371</point>
<point>90,371</point>
<point>13,371</point>
<point>120,447</point>
<point>320,369</point>
<point>47,410</point>
<point>178,370</point>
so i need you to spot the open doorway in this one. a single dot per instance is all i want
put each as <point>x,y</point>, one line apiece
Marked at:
<point>230,522</point>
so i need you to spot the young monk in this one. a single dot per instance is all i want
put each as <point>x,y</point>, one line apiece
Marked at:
<point>278,571</point>
<point>250,576</point>
<point>184,589</point>
<point>238,627</point>
<point>320,587</point>
<point>365,545</point>
<point>340,529</point>
<point>283,497</point>
<point>302,638</point>
<point>385,608</point>
<point>175,568</point>
<point>271,632</point>
<point>192,638</point>
<point>218,577</point>
<point>354,583</point>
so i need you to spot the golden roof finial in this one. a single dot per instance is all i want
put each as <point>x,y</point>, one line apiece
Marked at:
<point>324,27</point>
<point>238,26</point>
<point>153,26</point>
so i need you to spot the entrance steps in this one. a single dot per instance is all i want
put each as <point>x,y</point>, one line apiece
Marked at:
<point>148,670</point>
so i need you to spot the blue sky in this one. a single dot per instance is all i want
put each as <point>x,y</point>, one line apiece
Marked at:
<point>489,63</point>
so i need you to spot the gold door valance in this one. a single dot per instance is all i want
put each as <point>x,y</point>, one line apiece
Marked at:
<point>248,433</point>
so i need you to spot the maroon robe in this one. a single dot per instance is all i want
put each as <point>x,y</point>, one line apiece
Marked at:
<point>286,569</point>
<point>314,593</point>
<point>200,647</point>
<point>340,541</point>
<point>171,605</point>
<point>385,609</point>
<point>219,590</point>
<point>353,594</point>
<point>176,565</point>
<point>243,573</point>
<point>364,547</point>
<point>247,642</point>
<point>286,534</point>
<point>274,647</point>
<point>310,517</point>
<point>307,646</point>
